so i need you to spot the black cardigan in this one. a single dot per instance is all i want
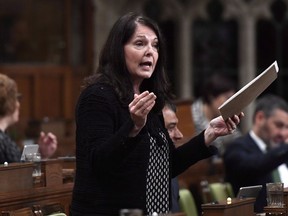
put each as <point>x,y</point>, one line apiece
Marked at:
<point>110,166</point>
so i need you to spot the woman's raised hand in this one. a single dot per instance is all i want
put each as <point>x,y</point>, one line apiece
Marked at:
<point>139,108</point>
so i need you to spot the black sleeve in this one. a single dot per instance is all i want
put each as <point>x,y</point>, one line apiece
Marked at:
<point>190,153</point>
<point>103,128</point>
<point>9,151</point>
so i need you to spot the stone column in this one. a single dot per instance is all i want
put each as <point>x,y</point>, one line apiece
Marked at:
<point>184,58</point>
<point>106,14</point>
<point>184,41</point>
<point>247,14</point>
<point>247,63</point>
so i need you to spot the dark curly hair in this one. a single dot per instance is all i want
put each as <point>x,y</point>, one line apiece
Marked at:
<point>112,67</point>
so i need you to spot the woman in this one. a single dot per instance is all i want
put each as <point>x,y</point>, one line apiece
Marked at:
<point>9,115</point>
<point>124,156</point>
<point>215,91</point>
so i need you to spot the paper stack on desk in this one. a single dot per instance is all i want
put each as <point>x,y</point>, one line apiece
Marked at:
<point>237,102</point>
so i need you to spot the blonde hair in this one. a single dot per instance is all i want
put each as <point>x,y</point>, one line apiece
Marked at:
<point>8,95</point>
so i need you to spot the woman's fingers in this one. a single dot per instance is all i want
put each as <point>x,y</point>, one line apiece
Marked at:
<point>143,103</point>
<point>234,121</point>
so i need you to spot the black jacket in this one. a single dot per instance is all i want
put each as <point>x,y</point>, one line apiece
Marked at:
<point>9,151</point>
<point>110,166</point>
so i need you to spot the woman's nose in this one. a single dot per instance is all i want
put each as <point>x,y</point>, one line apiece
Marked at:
<point>149,49</point>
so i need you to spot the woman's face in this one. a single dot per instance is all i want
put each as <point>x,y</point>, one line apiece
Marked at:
<point>141,53</point>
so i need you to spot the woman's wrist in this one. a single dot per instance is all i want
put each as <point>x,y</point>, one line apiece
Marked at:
<point>209,135</point>
<point>135,131</point>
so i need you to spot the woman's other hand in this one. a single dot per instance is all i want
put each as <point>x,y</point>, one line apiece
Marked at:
<point>218,127</point>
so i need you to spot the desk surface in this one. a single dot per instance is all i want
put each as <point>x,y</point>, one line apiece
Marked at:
<point>223,204</point>
<point>238,207</point>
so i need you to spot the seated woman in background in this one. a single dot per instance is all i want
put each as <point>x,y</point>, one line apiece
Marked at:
<point>9,115</point>
<point>214,92</point>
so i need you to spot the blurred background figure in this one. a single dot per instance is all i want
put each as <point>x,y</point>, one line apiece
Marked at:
<point>9,115</point>
<point>214,92</point>
<point>251,159</point>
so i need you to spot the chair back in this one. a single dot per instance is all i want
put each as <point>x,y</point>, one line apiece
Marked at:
<point>187,203</point>
<point>221,191</point>
<point>229,190</point>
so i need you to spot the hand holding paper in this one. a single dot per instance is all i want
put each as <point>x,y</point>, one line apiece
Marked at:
<point>237,102</point>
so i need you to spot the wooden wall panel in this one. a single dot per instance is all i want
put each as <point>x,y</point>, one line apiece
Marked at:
<point>46,90</point>
<point>51,97</point>
<point>185,118</point>
<point>24,87</point>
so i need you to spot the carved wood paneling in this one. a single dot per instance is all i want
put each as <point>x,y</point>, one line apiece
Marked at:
<point>47,90</point>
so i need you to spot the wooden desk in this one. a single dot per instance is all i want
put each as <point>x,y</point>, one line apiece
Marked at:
<point>238,207</point>
<point>15,177</point>
<point>37,196</point>
<point>20,192</point>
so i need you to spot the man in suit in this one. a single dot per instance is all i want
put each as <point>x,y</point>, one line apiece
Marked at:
<point>171,122</point>
<point>250,159</point>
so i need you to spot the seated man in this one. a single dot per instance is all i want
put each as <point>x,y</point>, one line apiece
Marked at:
<point>171,121</point>
<point>250,159</point>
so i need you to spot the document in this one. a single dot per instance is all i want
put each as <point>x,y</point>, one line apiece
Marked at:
<point>242,98</point>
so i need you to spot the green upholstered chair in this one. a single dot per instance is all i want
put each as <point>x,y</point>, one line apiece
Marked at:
<point>187,202</point>
<point>221,191</point>
<point>229,189</point>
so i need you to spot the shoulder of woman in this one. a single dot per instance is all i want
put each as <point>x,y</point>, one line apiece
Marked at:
<point>99,89</point>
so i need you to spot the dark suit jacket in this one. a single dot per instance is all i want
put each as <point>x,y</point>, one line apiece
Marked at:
<point>246,165</point>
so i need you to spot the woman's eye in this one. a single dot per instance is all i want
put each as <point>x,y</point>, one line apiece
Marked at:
<point>156,46</point>
<point>139,43</point>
